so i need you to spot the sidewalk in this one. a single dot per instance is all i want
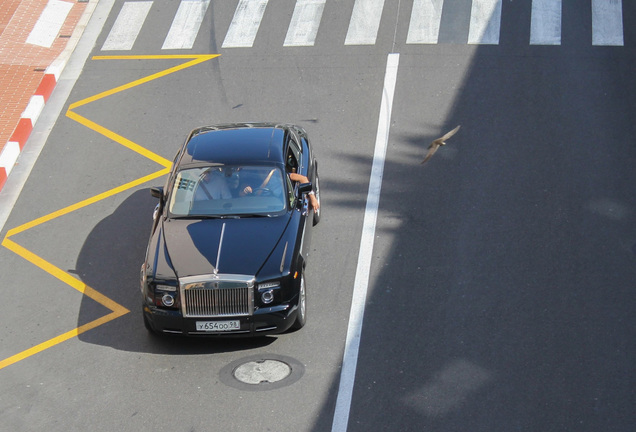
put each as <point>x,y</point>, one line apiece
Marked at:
<point>33,34</point>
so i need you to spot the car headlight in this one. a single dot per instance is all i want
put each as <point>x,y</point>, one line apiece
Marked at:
<point>165,296</point>
<point>267,291</point>
<point>267,296</point>
<point>168,300</point>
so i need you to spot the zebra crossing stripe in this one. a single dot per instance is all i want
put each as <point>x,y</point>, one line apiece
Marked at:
<point>127,26</point>
<point>485,22</point>
<point>49,23</point>
<point>304,24</point>
<point>245,23</point>
<point>365,22</point>
<point>545,23</point>
<point>426,16</point>
<point>185,25</point>
<point>607,22</point>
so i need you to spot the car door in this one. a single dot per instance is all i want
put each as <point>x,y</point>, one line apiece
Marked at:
<point>296,160</point>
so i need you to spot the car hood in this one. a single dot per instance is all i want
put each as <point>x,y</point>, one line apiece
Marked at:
<point>230,246</point>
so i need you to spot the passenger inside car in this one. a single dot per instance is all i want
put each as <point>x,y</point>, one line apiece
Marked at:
<point>212,185</point>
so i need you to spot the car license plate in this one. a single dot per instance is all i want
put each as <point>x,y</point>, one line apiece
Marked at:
<point>218,326</point>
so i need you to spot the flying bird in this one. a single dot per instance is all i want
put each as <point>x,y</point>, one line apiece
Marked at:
<point>437,143</point>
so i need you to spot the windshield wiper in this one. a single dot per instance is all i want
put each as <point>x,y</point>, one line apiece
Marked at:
<point>254,215</point>
<point>229,216</point>
<point>205,217</point>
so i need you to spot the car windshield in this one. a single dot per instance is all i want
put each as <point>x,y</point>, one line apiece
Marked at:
<point>228,190</point>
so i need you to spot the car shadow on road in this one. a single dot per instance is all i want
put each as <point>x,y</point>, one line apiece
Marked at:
<point>109,262</point>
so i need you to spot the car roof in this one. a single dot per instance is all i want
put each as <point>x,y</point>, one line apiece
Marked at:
<point>235,143</point>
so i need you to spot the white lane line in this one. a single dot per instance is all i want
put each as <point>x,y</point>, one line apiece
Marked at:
<point>127,26</point>
<point>185,25</point>
<point>485,22</point>
<point>361,283</point>
<point>304,23</point>
<point>545,24</point>
<point>49,23</point>
<point>245,23</point>
<point>607,22</point>
<point>365,22</point>
<point>426,16</point>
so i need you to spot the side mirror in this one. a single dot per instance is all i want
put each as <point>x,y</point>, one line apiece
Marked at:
<point>304,188</point>
<point>156,192</point>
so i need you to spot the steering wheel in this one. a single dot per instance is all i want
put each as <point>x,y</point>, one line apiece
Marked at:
<point>262,191</point>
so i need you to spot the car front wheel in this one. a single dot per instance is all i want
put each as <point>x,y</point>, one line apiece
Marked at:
<point>301,316</point>
<point>317,213</point>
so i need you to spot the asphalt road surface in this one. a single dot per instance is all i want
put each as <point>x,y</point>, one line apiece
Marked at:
<point>499,293</point>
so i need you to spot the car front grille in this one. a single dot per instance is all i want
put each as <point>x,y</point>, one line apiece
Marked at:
<point>217,296</point>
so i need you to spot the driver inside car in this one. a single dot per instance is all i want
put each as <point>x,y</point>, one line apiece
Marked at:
<point>274,187</point>
<point>270,184</point>
<point>291,167</point>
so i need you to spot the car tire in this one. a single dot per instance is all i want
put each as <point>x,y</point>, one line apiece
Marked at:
<point>301,315</point>
<point>317,214</point>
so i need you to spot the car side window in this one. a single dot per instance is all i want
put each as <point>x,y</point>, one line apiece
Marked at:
<point>291,192</point>
<point>293,156</point>
<point>305,146</point>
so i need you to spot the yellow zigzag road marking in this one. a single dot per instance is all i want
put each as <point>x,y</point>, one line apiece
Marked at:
<point>86,202</point>
<point>117,309</point>
<point>196,59</point>
<point>118,138</point>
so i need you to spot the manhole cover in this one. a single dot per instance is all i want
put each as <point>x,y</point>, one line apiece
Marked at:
<point>262,372</point>
<point>265,371</point>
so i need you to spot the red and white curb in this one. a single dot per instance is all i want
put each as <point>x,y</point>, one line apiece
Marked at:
<point>18,139</point>
<point>16,142</point>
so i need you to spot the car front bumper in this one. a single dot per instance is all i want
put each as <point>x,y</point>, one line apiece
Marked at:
<point>263,321</point>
